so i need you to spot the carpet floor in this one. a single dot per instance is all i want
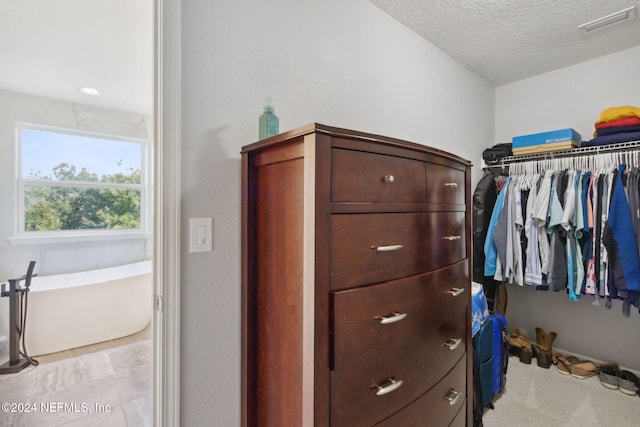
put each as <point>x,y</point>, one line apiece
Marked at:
<point>535,396</point>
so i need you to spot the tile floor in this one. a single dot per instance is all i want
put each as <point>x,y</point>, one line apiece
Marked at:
<point>107,384</point>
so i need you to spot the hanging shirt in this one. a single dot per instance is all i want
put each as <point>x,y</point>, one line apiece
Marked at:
<point>604,254</point>
<point>586,239</point>
<point>633,194</point>
<point>593,266</point>
<point>568,223</point>
<point>620,241</point>
<point>578,232</point>
<point>568,213</point>
<point>539,216</point>
<point>533,269</point>
<point>500,236</point>
<point>557,253</point>
<point>490,250</point>
<point>516,224</point>
<point>586,181</point>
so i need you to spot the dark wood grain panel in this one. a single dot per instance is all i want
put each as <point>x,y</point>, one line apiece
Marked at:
<point>429,241</point>
<point>422,304</point>
<point>460,419</point>
<point>344,208</point>
<point>360,177</point>
<point>445,185</point>
<point>278,279</point>
<point>434,409</point>
<point>322,280</point>
<point>396,147</point>
<point>354,399</point>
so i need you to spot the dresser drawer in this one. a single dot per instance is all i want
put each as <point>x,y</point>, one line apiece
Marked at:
<point>372,248</point>
<point>441,406</point>
<point>376,320</point>
<point>369,391</point>
<point>445,184</point>
<point>361,177</point>
<point>460,420</point>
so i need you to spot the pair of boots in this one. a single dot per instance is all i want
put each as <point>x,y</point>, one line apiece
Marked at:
<point>543,347</point>
<point>521,346</point>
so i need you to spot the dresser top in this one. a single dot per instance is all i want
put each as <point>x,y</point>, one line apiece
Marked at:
<point>351,134</point>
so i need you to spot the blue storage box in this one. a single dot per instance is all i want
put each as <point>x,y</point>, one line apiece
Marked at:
<point>556,140</point>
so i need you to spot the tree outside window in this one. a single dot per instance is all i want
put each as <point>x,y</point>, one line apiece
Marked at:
<point>72,181</point>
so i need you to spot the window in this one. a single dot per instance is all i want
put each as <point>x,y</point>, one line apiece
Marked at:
<point>72,182</point>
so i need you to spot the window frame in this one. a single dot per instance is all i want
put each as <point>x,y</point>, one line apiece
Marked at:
<point>22,236</point>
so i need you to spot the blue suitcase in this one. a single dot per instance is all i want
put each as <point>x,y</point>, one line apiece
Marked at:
<point>491,349</point>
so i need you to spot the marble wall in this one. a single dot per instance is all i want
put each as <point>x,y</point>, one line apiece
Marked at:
<point>60,257</point>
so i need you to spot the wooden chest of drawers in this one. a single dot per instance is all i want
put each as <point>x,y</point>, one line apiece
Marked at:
<point>355,282</point>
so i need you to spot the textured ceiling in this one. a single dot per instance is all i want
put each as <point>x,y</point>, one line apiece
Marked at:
<point>53,48</point>
<point>508,40</point>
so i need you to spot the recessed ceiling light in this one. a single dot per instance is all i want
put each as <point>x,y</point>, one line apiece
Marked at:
<point>90,91</point>
<point>622,15</point>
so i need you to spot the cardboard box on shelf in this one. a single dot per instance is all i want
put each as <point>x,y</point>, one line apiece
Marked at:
<point>557,140</point>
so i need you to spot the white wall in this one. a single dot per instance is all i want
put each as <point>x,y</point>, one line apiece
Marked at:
<point>338,62</point>
<point>58,257</point>
<point>572,97</point>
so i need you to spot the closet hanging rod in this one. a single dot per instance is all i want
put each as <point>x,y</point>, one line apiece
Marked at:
<point>581,151</point>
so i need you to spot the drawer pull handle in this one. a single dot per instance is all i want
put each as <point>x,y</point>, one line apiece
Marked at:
<point>455,291</point>
<point>452,396</point>
<point>451,184</point>
<point>388,178</point>
<point>387,248</point>
<point>391,318</point>
<point>453,343</point>
<point>387,387</point>
<point>451,237</point>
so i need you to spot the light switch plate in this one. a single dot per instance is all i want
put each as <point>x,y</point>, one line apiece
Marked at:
<point>201,235</point>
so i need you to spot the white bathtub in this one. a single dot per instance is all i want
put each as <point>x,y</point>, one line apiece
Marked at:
<point>73,310</point>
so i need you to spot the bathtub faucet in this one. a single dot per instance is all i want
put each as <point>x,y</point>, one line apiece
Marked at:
<point>16,321</point>
<point>13,283</point>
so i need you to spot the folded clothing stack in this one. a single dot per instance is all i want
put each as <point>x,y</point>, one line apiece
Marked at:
<point>616,125</point>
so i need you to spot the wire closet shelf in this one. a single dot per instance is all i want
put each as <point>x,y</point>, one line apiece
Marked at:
<point>596,157</point>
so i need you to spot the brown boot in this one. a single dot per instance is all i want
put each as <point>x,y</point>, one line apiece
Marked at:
<point>544,341</point>
<point>520,341</point>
